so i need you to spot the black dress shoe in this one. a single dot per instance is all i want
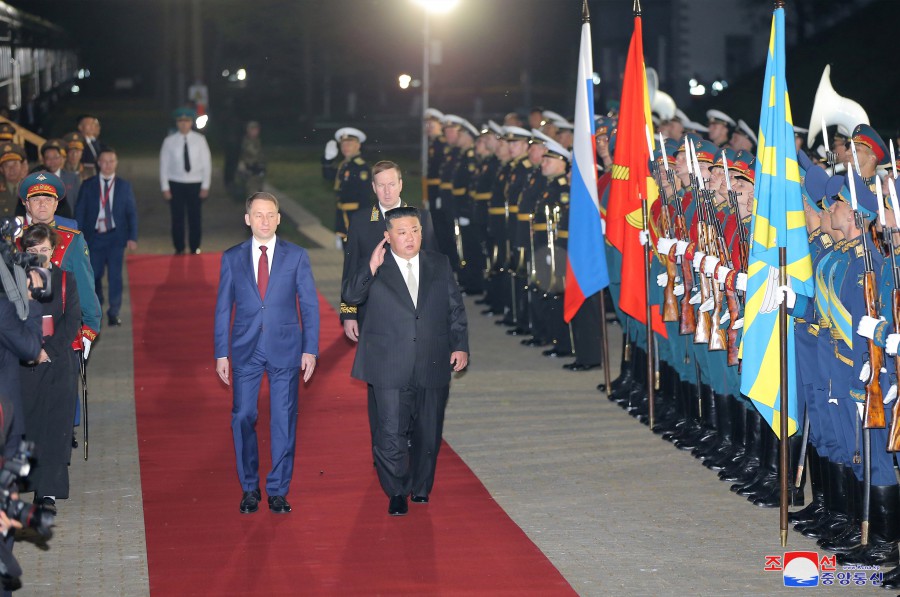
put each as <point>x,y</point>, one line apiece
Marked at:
<point>114,321</point>
<point>397,506</point>
<point>250,501</point>
<point>482,301</point>
<point>556,353</point>
<point>576,366</point>
<point>278,504</point>
<point>419,499</point>
<point>48,504</point>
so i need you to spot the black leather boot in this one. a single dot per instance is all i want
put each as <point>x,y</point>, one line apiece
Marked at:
<point>884,530</point>
<point>766,473</point>
<point>836,503</point>
<point>816,508</point>
<point>707,416</point>
<point>722,434</point>
<point>891,579</point>
<point>772,499</point>
<point>733,438</point>
<point>624,371</point>
<point>749,460</point>
<point>850,536</point>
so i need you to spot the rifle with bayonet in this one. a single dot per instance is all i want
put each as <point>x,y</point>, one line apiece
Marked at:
<point>670,301</point>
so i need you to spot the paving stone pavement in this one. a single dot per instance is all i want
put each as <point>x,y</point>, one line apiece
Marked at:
<point>617,510</point>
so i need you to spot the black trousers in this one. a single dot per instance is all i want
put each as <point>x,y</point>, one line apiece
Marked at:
<point>408,437</point>
<point>185,202</point>
<point>587,329</point>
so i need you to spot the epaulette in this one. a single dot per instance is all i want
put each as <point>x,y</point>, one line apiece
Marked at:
<point>359,161</point>
<point>67,229</point>
<point>527,163</point>
<point>561,181</point>
<point>470,153</point>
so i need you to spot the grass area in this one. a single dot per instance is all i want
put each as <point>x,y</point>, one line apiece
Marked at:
<point>298,173</point>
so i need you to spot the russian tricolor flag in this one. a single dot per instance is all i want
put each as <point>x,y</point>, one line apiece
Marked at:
<point>586,271</point>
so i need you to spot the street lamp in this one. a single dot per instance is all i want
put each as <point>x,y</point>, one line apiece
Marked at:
<point>430,7</point>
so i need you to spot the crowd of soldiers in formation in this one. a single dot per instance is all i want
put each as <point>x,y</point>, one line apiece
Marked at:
<point>499,197</point>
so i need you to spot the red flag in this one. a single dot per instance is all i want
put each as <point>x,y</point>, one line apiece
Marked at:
<point>630,182</point>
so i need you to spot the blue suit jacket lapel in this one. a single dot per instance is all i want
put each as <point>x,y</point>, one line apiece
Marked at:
<point>247,263</point>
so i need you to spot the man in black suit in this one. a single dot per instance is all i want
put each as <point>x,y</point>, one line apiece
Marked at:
<point>106,212</point>
<point>414,334</point>
<point>366,230</point>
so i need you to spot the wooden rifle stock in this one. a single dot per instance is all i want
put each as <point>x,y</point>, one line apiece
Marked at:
<point>670,302</point>
<point>688,317</point>
<point>716,333</point>
<point>735,314</point>
<point>702,333</point>
<point>874,413</point>
<point>894,438</point>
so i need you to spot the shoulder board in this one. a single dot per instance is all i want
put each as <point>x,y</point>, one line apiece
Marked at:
<point>67,229</point>
<point>359,161</point>
<point>470,153</point>
<point>527,163</point>
<point>564,198</point>
<point>826,240</point>
<point>859,250</point>
<point>561,181</point>
<point>364,175</point>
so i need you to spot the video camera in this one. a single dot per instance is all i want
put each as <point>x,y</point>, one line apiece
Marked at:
<point>31,516</point>
<point>20,266</point>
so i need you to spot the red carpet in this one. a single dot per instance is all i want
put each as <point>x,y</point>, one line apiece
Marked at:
<point>339,540</point>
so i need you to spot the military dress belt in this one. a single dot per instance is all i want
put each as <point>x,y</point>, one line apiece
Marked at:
<point>447,186</point>
<point>481,196</point>
<point>497,211</point>
<point>348,206</point>
<point>432,182</point>
<point>523,217</point>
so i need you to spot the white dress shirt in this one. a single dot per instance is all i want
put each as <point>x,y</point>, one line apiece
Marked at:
<point>404,269</point>
<point>384,211</point>
<point>171,160</point>
<point>255,253</point>
<point>101,214</point>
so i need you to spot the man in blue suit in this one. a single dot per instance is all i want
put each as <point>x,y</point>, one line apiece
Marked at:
<point>107,216</point>
<point>262,281</point>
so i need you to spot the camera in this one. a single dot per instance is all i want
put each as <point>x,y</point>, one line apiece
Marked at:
<point>16,276</point>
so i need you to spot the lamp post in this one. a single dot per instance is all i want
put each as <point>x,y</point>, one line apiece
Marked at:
<point>430,7</point>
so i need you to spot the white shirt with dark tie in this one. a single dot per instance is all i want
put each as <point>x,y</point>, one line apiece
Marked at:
<point>105,222</point>
<point>406,270</point>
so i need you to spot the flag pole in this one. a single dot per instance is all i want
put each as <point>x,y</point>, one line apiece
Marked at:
<point>650,375</point>
<point>782,335</point>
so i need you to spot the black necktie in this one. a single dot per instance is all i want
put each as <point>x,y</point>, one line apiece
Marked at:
<point>187,157</point>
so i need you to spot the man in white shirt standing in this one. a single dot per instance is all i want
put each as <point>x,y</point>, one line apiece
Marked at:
<point>185,170</point>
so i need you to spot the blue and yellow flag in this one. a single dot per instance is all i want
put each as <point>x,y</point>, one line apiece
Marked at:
<point>777,221</point>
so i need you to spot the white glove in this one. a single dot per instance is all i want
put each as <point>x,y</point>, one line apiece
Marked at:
<point>338,242</point>
<point>707,305</point>
<point>680,247</point>
<point>679,291</point>
<point>738,324</point>
<point>464,221</point>
<point>603,225</point>
<point>698,257</point>
<point>867,325</point>
<point>644,237</point>
<point>740,282</point>
<point>891,394</point>
<point>437,203</point>
<point>87,347</point>
<point>890,345</point>
<point>833,401</point>
<point>722,273</point>
<point>785,291</point>
<point>709,265</point>
<point>665,245</point>
<point>861,409</point>
<point>662,280</point>
<point>331,150</point>
<point>865,372</point>
<point>725,317</point>
<point>695,299</point>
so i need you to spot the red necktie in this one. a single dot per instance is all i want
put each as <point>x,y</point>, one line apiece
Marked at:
<point>262,274</point>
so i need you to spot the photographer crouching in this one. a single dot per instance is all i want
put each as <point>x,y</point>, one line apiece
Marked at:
<point>23,282</point>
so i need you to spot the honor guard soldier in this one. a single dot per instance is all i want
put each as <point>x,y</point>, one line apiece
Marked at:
<point>721,126</point>
<point>498,215</point>
<point>520,169</point>
<point>551,236</point>
<point>467,239</point>
<point>40,193</point>
<point>486,166</point>
<point>11,159</point>
<point>442,207</point>
<point>352,178</point>
<point>743,138</point>
<point>565,134</point>
<point>434,130</point>
<point>871,151</point>
<point>7,133</point>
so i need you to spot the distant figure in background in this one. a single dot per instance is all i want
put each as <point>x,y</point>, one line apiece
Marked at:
<point>185,172</point>
<point>251,167</point>
<point>106,212</point>
<point>74,150</point>
<point>89,127</point>
<point>53,158</point>
<point>49,382</point>
<point>11,158</point>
